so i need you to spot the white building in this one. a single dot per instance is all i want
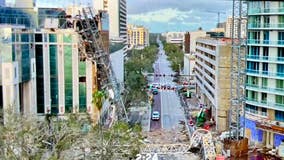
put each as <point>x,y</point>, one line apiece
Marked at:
<point>229,25</point>
<point>175,37</point>
<point>117,18</point>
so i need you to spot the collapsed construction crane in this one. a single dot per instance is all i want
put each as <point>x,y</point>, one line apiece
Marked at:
<point>92,49</point>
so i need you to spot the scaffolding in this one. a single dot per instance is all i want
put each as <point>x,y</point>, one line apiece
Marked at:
<point>238,74</point>
<point>92,49</point>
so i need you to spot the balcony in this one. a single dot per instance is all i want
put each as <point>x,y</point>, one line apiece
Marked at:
<point>265,11</point>
<point>263,26</point>
<point>265,59</point>
<point>259,42</point>
<point>276,75</point>
<point>265,104</point>
<point>254,87</point>
<point>207,50</point>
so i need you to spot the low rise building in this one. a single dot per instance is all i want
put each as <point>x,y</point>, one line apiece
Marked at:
<point>174,37</point>
<point>212,71</point>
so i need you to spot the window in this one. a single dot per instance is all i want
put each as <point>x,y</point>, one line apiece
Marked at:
<point>251,109</point>
<point>263,97</point>
<point>264,82</point>
<point>281,20</point>
<point>266,37</point>
<point>253,66</point>
<point>266,4</point>
<point>24,37</point>
<point>279,84</point>
<point>254,50</point>
<point>263,111</point>
<point>280,70</point>
<point>67,38</point>
<point>266,21</point>
<point>254,36</point>
<point>252,95</point>
<point>279,99</point>
<point>38,37</point>
<point>52,38</point>
<point>280,37</point>
<point>252,80</point>
<point>281,5</point>
<point>265,52</point>
<point>255,20</point>
<point>279,116</point>
<point>264,68</point>
<point>280,54</point>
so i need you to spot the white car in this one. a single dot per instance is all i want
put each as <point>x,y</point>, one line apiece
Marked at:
<point>155,115</point>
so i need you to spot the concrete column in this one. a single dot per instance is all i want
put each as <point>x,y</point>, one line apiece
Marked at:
<point>61,84</point>
<point>75,78</point>
<point>10,84</point>
<point>46,74</point>
<point>89,86</point>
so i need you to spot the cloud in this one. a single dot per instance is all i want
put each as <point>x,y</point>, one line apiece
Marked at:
<point>177,15</point>
<point>163,15</point>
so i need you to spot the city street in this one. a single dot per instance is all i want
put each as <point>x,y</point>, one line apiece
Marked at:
<point>167,101</point>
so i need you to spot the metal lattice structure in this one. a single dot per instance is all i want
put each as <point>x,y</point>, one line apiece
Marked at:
<point>92,49</point>
<point>238,66</point>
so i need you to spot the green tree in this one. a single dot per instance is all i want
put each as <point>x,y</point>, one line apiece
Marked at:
<point>98,98</point>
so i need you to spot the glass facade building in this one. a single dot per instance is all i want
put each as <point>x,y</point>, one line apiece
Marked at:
<point>265,73</point>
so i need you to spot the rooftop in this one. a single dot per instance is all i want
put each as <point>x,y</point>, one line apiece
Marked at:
<point>215,41</point>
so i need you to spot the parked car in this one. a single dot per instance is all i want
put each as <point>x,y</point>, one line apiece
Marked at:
<point>155,115</point>
<point>155,91</point>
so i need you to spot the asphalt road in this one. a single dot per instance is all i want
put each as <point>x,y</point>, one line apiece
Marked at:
<point>167,101</point>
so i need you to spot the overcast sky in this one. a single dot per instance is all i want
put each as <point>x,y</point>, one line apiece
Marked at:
<point>166,15</point>
<point>177,15</point>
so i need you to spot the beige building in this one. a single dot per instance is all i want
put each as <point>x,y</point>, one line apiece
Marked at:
<point>212,70</point>
<point>137,36</point>
<point>229,25</point>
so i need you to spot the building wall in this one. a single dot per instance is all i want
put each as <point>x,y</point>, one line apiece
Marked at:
<point>18,69</point>
<point>175,37</point>
<point>229,27</point>
<point>264,85</point>
<point>138,36</point>
<point>212,70</point>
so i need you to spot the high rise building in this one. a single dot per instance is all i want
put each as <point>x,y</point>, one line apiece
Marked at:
<point>117,18</point>
<point>138,36</point>
<point>265,73</point>
<point>229,26</point>
<point>212,71</point>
